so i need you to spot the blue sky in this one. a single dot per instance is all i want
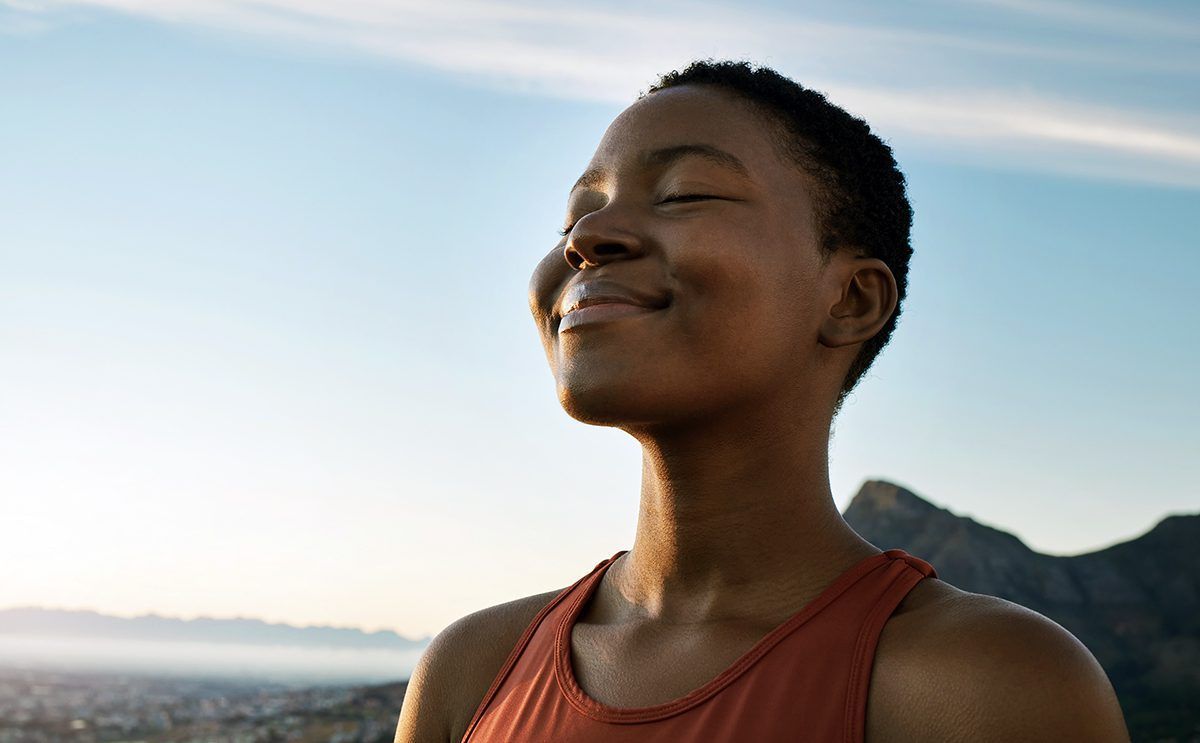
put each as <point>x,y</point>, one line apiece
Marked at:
<point>264,341</point>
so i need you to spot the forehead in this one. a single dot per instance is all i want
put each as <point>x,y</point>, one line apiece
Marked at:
<point>694,115</point>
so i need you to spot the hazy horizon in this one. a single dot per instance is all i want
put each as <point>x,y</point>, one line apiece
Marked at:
<point>201,617</point>
<point>421,638</point>
<point>289,664</point>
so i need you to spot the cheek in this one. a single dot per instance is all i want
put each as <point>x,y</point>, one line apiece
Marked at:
<point>545,283</point>
<point>739,281</point>
<point>741,293</point>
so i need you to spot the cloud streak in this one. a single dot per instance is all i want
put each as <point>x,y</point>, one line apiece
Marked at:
<point>1096,16</point>
<point>608,54</point>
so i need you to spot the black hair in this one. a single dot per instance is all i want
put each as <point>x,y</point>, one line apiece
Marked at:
<point>861,203</point>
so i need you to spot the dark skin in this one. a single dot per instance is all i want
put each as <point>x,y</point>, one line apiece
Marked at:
<point>689,198</point>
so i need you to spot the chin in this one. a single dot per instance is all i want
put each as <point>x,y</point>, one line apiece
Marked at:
<point>608,404</point>
<point>625,403</point>
<point>597,407</point>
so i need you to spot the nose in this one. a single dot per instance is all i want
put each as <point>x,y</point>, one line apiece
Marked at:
<point>597,239</point>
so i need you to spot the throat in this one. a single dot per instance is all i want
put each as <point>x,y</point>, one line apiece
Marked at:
<point>622,666</point>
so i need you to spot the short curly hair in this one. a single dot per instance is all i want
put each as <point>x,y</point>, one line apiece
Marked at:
<point>862,203</point>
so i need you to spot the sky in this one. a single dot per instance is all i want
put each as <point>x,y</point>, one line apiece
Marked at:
<point>265,347</point>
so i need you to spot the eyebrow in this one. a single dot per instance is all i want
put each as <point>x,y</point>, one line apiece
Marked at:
<point>665,156</point>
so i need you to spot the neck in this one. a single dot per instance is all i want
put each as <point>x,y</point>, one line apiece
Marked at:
<point>733,517</point>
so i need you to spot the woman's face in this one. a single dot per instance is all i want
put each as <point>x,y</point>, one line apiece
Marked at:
<point>689,211</point>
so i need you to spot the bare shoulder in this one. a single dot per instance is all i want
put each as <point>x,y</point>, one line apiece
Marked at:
<point>958,666</point>
<point>458,668</point>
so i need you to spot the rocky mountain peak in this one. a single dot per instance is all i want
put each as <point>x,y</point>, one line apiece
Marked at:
<point>881,496</point>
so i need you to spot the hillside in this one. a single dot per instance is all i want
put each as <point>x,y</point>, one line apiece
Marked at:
<point>1136,604</point>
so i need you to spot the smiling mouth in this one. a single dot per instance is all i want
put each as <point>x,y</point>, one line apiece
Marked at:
<point>605,312</point>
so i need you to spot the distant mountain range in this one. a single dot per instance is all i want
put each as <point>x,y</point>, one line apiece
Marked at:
<point>62,623</point>
<point>1135,605</point>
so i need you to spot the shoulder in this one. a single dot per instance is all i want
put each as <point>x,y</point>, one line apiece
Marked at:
<point>960,666</point>
<point>458,668</point>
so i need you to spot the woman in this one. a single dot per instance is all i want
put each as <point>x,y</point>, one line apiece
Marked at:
<point>734,258</point>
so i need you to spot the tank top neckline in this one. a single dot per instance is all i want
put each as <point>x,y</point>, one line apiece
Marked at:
<point>579,699</point>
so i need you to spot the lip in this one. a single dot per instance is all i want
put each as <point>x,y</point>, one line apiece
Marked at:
<point>601,312</point>
<point>593,292</point>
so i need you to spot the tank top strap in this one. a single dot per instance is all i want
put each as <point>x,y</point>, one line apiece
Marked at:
<point>523,641</point>
<point>903,574</point>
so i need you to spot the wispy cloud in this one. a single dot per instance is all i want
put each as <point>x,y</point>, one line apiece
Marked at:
<point>609,53</point>
<point>1096,16</point>
<point>1046,133</point>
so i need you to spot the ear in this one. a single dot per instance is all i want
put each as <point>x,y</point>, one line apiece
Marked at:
<point>863,296</point>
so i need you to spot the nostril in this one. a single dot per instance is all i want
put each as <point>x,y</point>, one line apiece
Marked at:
<point>574,259</point>
<point>580,255</point>
<point>609,249</point>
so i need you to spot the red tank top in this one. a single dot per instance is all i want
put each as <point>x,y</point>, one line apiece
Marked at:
<point>806,681</point>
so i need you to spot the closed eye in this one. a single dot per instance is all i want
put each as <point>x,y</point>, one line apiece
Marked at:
<point>682,198</point>
<point>685,197</point>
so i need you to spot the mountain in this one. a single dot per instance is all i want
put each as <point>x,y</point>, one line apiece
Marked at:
<point>62,623</point>
<point>1135,605</point>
